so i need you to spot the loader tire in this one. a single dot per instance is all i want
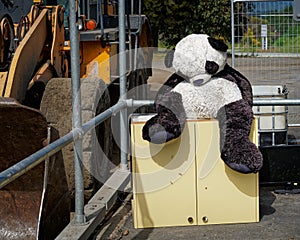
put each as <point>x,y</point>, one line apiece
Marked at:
<point>56,105</point>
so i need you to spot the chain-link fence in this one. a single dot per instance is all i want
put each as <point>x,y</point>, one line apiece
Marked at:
<point>266,49</point>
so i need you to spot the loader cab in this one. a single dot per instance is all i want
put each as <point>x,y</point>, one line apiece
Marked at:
<point>99,43</point>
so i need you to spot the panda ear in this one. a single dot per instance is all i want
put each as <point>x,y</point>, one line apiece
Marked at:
<point>169,58</point>
<point>217,44</point>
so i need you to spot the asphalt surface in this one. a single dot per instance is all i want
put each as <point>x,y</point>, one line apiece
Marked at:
<point>279,219</point>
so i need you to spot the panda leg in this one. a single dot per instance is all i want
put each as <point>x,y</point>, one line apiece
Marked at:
<point>169,121</point>
<point>237,151</point>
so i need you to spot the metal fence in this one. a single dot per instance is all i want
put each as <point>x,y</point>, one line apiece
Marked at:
<point>265,47</point>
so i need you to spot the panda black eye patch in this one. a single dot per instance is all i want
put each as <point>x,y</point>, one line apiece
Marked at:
<point>211,67</point>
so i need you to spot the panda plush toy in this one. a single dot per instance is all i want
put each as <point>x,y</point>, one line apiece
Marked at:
<point>205,86</point>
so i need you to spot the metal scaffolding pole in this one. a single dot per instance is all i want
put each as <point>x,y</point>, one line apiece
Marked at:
<point>123,96</point>
<point>79,217</point>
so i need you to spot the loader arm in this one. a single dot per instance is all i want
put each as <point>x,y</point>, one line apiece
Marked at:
<point>26,58</point>
<point>57,55</point>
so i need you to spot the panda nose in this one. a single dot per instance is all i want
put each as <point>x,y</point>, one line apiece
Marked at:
<point>198,82</point>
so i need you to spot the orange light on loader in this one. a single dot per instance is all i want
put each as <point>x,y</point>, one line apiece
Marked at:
<point>90,24</point>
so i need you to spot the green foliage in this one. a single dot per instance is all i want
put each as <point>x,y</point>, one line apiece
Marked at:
<point>171,20</point>
<point>215,18</point>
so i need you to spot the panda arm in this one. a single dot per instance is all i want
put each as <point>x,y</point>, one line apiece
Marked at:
<point>169,121</point>
<point>243,83</point>
<point>168,86</point>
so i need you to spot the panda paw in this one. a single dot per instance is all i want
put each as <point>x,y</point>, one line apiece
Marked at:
<point>158,136</point>
<point>243,157</point>
<point>157,132</point>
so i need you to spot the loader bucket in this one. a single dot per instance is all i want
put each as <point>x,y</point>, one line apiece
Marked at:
<point>28,203</point>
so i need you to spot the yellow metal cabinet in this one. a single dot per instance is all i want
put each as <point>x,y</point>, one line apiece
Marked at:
<point>184,182</point>
<point>223,195</point>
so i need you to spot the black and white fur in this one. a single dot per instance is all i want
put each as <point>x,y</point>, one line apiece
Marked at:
<point>205,86</point>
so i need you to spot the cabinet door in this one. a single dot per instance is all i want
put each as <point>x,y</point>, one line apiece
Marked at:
<point>223,195</point>
<point>163,175</point>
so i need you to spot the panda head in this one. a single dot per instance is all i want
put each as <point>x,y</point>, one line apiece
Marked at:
<point>198,57</point>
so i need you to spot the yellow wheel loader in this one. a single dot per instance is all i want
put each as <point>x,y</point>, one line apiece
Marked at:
<point>36,104</point>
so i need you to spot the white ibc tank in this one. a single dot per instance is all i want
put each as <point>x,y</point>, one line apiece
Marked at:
<point>271,119</point>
